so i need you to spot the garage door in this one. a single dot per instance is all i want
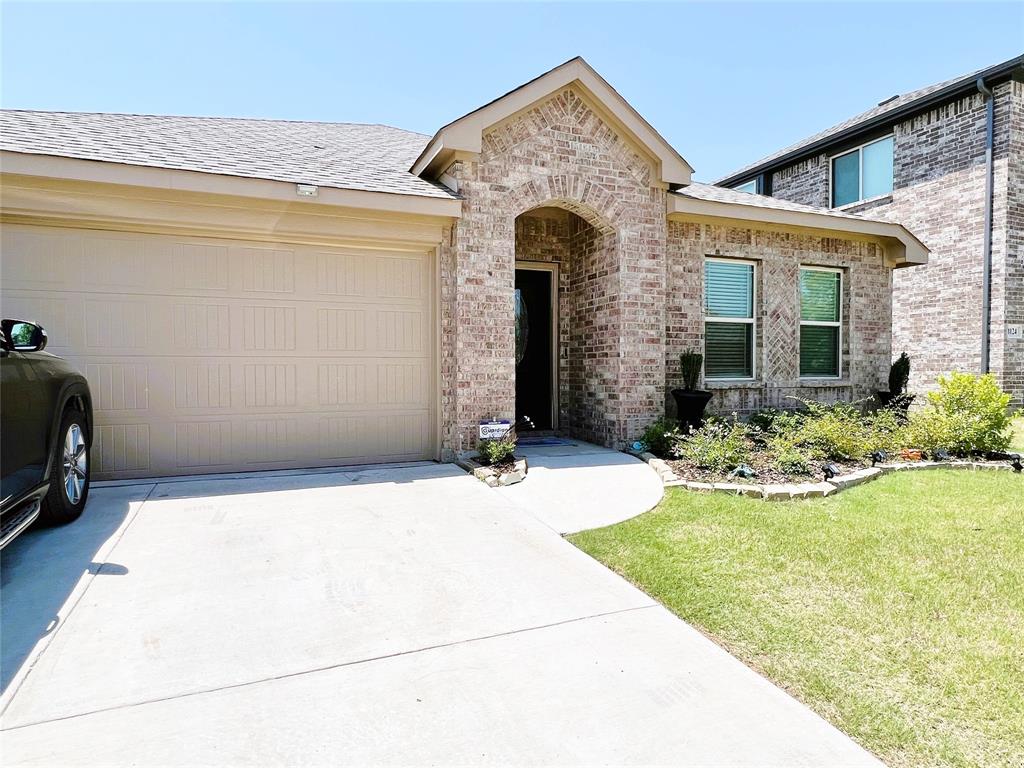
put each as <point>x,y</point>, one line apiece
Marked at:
<point>210,355</point>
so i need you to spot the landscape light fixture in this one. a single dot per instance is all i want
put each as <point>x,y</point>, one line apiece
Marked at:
<point>1017,466</point>
<point>830,470</point>
<point>940,454</point>
<point>878,456</point>
<point>744,471</point>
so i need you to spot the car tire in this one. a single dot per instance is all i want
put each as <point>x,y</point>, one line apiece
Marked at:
<point>70,470</point>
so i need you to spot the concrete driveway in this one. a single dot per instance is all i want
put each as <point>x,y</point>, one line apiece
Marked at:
<point>384,616</point>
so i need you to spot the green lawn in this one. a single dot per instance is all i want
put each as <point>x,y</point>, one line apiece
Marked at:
<point>895,609</point>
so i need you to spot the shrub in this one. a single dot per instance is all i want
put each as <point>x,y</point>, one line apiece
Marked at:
<point>899,375</point>
<point>967,414</point>
<point>717,446</point>
<point>885,430</point>
<point>660,437</point>
<point>497,451</point>
<point>792,461</point>
<point>782,431</point>
<point>929,429</point>
<point>833,431</point>
<point>764,419</point>
<point>690,363</point>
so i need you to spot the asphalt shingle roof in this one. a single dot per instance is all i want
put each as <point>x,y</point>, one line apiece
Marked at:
<point>699,191</point>
<point>889,105</point>
<point>373,158</point>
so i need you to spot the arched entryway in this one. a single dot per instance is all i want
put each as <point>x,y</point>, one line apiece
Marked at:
<point>568,334</point>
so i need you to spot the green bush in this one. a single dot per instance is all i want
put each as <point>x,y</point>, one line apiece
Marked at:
<point>660,436</point>
<point>885,430</point>
<point>497,451</point>
<point>968,413</point>
<point>765,419</point>
<point>929,429</point>
<point>717,446</point>
<point>834,431</point>
<point>792,461</point>
<point>783,435</point>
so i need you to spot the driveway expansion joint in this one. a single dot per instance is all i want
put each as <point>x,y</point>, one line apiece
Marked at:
<point>329,667</point>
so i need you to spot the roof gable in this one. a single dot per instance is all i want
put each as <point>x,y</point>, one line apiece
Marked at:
<point>465,134</point>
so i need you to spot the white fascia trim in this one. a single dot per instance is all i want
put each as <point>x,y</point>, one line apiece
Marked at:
<point>74,169</point>
<point>465,134</point>
<point>902,249</point>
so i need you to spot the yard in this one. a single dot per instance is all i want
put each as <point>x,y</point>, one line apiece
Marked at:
<point>895,609</point>
<point>1018,434</point>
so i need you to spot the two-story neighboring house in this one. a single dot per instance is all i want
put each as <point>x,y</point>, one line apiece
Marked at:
<point>946,161</point>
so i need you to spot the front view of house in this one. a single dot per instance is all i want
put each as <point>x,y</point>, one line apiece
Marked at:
<point>256,294</point>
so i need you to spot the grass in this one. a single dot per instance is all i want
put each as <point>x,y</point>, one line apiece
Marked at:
<point>1018,434</point>
<point>895,609</point>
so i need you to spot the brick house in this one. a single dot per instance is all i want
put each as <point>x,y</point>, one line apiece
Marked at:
<point>922,159</point>
<point>247,294</point>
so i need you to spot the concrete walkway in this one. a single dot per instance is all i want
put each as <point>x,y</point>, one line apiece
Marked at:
<point>390,616</point>
<point>577,486</point>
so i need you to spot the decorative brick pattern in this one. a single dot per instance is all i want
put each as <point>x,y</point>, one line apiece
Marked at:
<point>866,347</point>
<point>556,184</point>
<point>939,194</point>
<point>559,154</point>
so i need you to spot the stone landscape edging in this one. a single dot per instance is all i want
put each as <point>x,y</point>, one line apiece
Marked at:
<point>491,476</point>
<point>787,491</point>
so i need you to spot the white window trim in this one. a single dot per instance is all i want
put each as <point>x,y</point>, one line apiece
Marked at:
<point>752,320</point>
<point>829,323</point>
<point>860,172</point>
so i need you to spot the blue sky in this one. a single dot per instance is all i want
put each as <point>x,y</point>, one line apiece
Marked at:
<point>725,83</point>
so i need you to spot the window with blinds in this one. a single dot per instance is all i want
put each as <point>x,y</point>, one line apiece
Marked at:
<point>729,332</point>
<point>821,315</point>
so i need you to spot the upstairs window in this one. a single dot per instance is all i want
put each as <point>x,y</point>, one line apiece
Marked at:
<point>821,316</point>
<point>862,173</point>
<point>750,186</point>
<point>728,319</point>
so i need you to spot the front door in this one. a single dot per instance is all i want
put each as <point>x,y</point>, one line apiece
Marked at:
<point>535,345</point>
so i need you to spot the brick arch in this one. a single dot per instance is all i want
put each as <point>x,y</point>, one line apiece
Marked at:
<point>593,203</point>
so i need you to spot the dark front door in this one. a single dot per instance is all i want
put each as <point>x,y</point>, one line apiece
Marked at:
<point>534,347</point>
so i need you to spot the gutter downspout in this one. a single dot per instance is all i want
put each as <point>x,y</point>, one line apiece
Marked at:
<point>986,287</point>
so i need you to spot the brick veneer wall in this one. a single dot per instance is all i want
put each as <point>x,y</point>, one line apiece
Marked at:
<point>866,348</point>
<point>557,184</point>
<point>939,194</point>
<point>558,236</point>
<point>1011,353</point>
<point>558,154</point>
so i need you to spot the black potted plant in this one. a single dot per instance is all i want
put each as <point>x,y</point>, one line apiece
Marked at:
<point>690,401</point>
<point>896,396</point>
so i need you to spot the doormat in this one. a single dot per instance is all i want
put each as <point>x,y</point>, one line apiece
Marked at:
<point>535,441</point>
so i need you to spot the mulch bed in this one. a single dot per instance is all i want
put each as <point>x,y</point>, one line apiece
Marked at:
<point>509,465</point>
<point>768,475</point>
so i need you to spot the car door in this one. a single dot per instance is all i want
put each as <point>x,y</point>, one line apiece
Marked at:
<point>23,426</point>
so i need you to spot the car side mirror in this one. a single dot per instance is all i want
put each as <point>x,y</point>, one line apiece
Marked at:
<point>22,336</point>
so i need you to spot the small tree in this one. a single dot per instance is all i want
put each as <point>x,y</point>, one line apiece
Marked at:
<point>899,376</point>
<point>691,363</point>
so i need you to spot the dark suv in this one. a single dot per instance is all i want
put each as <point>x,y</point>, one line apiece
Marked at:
<point>45,433</point>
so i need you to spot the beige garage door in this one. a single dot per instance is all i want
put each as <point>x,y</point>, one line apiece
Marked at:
<point>210,355</point>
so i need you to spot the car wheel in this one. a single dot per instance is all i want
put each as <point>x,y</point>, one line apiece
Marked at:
<point>69,473</point>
